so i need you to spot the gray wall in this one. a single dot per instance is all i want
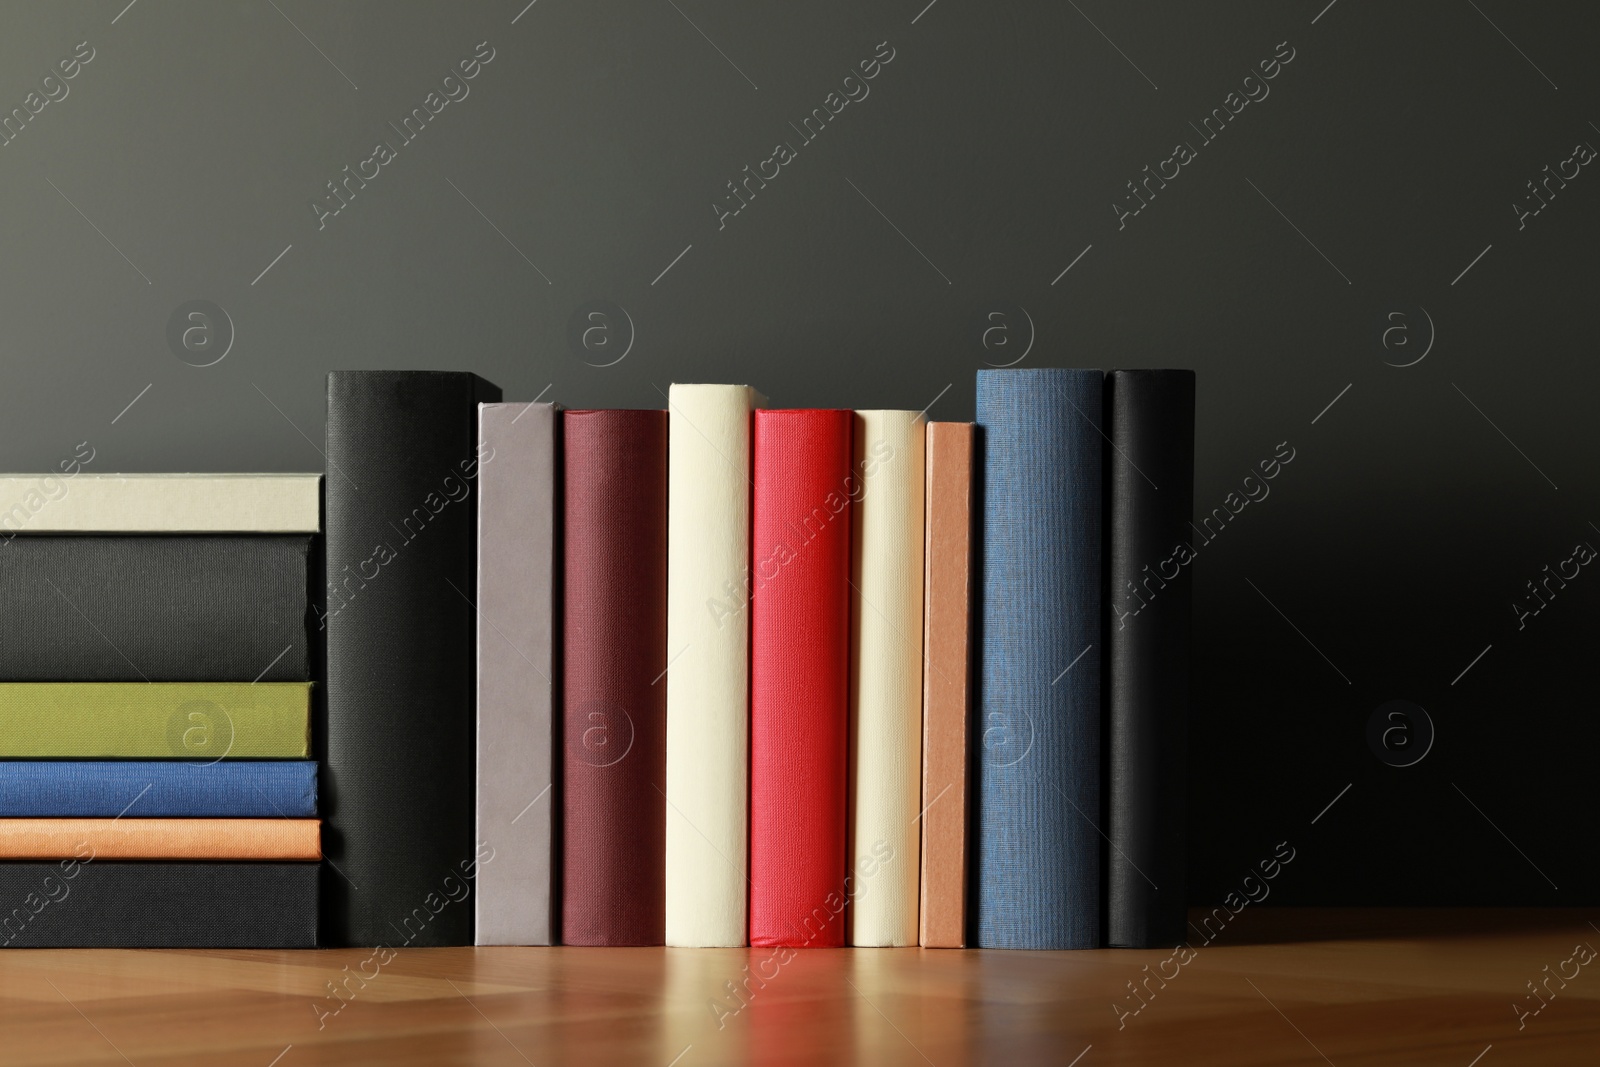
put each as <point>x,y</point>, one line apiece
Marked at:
<point>986,158</point>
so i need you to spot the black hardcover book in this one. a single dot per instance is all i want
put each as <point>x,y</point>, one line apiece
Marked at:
<point>1149,486</point>
<point>88,903</point>
<point>156,609</point>
<point>401,496</point>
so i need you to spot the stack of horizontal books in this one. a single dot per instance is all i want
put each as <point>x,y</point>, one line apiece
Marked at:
<point>156,786</point>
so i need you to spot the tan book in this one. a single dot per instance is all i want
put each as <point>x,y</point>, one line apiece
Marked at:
<point>160,839</point>
<point>946,670</point>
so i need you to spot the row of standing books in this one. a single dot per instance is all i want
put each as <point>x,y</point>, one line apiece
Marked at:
<point>724,674</point>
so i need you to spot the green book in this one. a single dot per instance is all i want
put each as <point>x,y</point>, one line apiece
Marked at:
<point>155,720</point>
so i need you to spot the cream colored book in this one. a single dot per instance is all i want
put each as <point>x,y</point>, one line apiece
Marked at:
<point>886,678</point>
<point>708,663</point>
<point>84,502</point>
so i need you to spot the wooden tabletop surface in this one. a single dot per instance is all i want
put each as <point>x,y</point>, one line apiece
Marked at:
<point>1279,986</point>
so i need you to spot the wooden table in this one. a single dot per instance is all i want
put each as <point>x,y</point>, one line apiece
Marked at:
<point>1278,986</point>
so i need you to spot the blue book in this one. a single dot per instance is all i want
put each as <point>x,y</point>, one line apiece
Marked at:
<point>151,789</point>
<point>1038,792</point>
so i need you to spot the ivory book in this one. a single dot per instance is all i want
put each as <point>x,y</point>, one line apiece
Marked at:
<point>886,678</point>
<point>78,501</point>
<point>708,663</point>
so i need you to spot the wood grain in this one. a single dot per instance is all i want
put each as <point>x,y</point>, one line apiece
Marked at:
<point>1281,986</point>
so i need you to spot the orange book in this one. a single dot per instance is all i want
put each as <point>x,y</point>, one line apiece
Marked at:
<point>161,839</point>
<point>946,697</point>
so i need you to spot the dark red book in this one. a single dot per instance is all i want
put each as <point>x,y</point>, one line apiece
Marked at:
<point>799,675</point>
<point>614,707</point>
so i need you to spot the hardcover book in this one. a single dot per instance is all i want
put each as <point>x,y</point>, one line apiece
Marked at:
<point>886,670</point>
<point>708,664</point>
<point>158,788</point>
<point>614,637</point>
<point>946,685</point>
<point>84,502</point>
<point>79,902</point>
<point>799,676</point>
<point>1150,504</point>
<point>399,764</point>
<point>1037,870</point>
<point>161,839</point>
<point>155,720</point>
<point>516,667</point>
<point>154,609</point>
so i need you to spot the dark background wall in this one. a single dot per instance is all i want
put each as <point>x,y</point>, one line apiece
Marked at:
<point>1371,190</point>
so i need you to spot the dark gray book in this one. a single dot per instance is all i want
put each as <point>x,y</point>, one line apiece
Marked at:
<point>398,762</point>
<point>1149,487</point>
<point>154,609</point>
<point>87,903</point>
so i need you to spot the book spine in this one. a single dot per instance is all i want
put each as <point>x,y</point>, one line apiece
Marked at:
<point>81,502</point>
<point>946,685</point>
<point>708,677</point>
<point>398,768</point>
<point>155,720</point>
<point>158,789</point>
<point>154,609</point>
<point>78,902</point>
<point>516,670</point>
<point>886,695</point>
<point>1149,475</point>
<point>799,676</point>
<point>1038,795</point>
<point>614,640</point>
<point>161,839</point>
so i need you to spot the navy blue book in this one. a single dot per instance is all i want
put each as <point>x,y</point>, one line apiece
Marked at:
<point>155,789</point>
<point>1037,872</point>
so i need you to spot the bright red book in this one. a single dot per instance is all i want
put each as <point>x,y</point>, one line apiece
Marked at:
<point>799,675</point>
